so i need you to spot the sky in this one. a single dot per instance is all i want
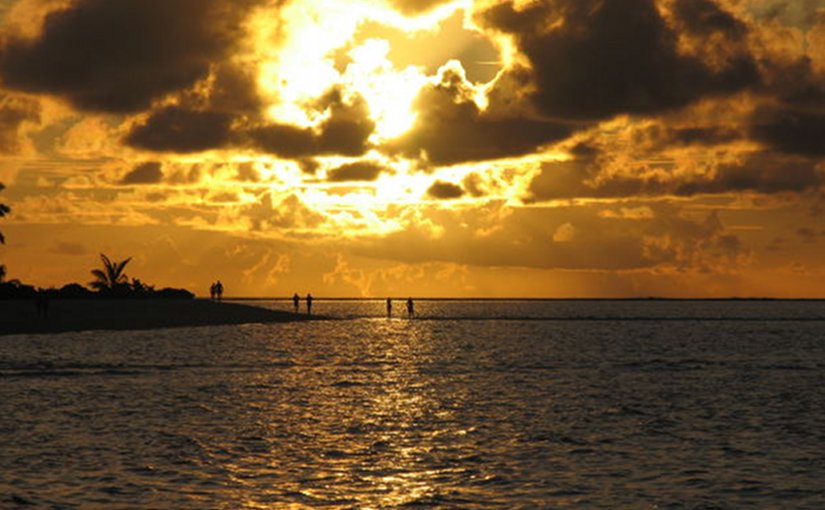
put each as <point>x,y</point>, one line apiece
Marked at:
<point>371,148</point>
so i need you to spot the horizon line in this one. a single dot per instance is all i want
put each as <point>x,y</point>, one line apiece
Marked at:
<point>427,298</point>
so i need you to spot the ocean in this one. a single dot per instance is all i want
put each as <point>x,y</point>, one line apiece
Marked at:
<point>474,404</point>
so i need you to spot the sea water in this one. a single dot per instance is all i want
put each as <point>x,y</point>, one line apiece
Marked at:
<point>481,404</point>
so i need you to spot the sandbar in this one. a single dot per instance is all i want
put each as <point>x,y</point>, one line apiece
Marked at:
<point>21,316</point>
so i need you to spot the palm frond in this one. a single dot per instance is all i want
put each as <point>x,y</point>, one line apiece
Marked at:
<point>111,274</point>
<point>120,276</point>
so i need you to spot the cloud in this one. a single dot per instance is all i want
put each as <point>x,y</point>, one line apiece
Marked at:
<point>233,89</point>
<point>451,128</point>
<point>416,6</point>
<point>430,49</point>
<point>574,237</point>
<point>344,133</point>
<point>68,248</point>
<point>175,129</point>
<point>119,56</point>
<point>761,172</point>
<point>565,233</point>
<point>807,234</point>
<point>14,112</point>
<point>791,131</point>
<point>704,17</point>
<point>288,213</point>
<point>445,190</point>
<point>594,59</point>
<point>358,171</point>
<point>144,173</point>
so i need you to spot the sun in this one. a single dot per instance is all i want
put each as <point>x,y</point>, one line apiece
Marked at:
<point>311,47</point>
<point>389,92</point>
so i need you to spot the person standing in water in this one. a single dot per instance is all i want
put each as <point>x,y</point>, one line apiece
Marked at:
<point>309,304</point>
<point>389,308</point>
<point>296,301</point>
<point>410,308</point>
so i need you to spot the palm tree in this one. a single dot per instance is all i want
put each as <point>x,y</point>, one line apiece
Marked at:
<point>4,210</point>
<point>111,276</point>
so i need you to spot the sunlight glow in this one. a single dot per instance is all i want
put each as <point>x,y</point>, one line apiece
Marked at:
<point>388,92</point>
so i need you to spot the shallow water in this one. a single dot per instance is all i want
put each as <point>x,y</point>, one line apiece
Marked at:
<point>476,405</point>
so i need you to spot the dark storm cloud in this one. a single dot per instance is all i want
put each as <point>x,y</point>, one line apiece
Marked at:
<point>358,171</point>
<point>700,136</point>
<point>144,173</point>
<point>14,111</point>
<point>452,129</point>
<point>763,173</point>
<point>344,133</point>
<point>284,140</point>
<point>705,17</point>
<point>175,129</point>
<point>611,57</point>
<point>445,190</point>
<point>791,130</point>
<point>120,55</point>
<point>234,89</point>
<point>766,173</point>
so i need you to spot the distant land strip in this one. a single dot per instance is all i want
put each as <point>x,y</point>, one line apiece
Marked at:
<point>63,315</point>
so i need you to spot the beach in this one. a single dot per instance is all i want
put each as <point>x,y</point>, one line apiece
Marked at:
<point>21,316</point>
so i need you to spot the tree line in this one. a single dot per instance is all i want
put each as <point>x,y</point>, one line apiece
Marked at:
<point>110,281</point>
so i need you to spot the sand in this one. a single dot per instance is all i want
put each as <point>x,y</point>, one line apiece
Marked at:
<point>20,316</point>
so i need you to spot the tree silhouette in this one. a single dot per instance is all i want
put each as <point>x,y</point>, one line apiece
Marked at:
<point>111,277</point>
<point>4,210</point>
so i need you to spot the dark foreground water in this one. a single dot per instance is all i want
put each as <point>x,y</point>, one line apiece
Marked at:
<point>474,405</point>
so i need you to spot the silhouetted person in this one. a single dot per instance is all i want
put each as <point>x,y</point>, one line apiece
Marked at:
<point>410,308</point>
<point>309,304</point>
<point>389,308</point>
<point>212,292</point>
<point>219,290</point>
<point>296,301</point>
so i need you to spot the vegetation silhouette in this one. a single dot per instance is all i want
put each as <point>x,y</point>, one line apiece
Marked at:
<point>111,279</point>
<point>110,282</point>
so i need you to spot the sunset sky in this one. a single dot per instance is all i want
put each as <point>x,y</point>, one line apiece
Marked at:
<point>556,148</point>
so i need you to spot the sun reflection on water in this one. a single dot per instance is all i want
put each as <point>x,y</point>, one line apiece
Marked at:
<point>366,427</point>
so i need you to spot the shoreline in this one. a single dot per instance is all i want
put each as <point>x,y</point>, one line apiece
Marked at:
<point>20,317</point>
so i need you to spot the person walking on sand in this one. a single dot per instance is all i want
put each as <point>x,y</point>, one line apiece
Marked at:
<point>389,308</point>
<point>212,291</point>
<point>309,304</point>
<point>410,308</point>
<point>296,301</point>
<point>219,290</point>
